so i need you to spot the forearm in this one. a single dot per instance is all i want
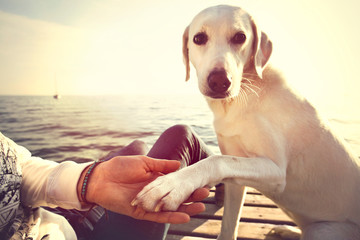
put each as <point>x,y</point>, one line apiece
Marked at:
<point>47,183</point>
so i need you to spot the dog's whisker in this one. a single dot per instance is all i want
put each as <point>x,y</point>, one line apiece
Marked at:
<point>249,88</point>
<point>244,80</point>
<point>254,86</point>
<point>250,81</point>
<point>244,97</point>
<point>246,87</point>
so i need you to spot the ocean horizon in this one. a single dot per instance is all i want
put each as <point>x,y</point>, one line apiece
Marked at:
<point>85,128</point>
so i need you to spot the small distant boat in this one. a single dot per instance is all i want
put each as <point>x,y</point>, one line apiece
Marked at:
<point>56,96</point>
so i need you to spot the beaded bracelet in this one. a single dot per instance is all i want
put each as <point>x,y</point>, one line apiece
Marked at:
<point>86,179</point>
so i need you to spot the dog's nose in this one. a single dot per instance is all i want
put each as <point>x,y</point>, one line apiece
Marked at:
<point>218,81</point>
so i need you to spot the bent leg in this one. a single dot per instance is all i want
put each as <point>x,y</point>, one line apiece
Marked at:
<point>134,148</point>
<point>118,226</point>
<point>180,143</point>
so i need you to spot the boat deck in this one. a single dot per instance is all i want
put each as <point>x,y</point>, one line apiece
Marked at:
<point>259,216</point>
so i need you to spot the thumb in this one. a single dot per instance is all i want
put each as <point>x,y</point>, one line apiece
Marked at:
<point>163,166</point>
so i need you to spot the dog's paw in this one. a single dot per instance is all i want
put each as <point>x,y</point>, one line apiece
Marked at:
<point>286,232</point>
<point>166,193</point>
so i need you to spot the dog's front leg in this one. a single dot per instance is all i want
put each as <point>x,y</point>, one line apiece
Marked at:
<point>234,201</point>
<point>170,191</point>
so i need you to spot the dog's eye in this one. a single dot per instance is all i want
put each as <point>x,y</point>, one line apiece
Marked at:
<point>200,39</point>
<point>238,38</point>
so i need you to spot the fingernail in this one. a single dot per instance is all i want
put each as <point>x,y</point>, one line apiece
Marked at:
<point>158,207</point>
<point>134,202</point>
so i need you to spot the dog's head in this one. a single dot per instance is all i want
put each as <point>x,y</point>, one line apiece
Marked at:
<point>222,43</point>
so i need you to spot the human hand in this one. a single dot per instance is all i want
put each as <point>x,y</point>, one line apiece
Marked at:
<point>115,183</point>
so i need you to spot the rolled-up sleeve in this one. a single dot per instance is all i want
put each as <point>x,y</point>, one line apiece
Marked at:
<point>44,182</point>
<point>47,183</point>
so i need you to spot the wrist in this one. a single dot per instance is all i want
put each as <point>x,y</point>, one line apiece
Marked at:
<point>80,184</point>
<point>87,183</point>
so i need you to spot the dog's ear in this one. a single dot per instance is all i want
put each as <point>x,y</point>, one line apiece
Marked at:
<point>185,50</point>
<point>262,49</point>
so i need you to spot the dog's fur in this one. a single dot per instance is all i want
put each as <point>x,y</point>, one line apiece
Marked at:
<point>271,138</point>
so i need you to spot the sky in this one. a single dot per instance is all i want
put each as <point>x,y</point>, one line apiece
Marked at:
<point>115,46</point>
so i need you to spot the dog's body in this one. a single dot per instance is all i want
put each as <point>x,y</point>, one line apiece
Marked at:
<point>271,138</point>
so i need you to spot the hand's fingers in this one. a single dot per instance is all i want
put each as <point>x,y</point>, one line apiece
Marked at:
<point>168,217</point>
<point>163,166</point>
<point>192,209</point>
<point>162,217</point>
<point>198,195</point>
<point>182,215</point>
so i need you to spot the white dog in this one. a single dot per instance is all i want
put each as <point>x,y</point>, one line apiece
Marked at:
<point>271,138</point>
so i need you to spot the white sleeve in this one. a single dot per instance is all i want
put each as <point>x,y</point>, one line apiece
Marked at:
<point>48,183</point>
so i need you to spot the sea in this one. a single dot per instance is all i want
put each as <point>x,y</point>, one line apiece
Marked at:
<point>85,128</point>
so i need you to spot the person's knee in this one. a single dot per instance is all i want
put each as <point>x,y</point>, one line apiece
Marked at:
<point>137,147</point>
<point>181,130</point>
<point>173,143</point>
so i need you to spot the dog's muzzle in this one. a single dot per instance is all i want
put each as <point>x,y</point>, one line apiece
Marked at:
<point>219,83</point>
